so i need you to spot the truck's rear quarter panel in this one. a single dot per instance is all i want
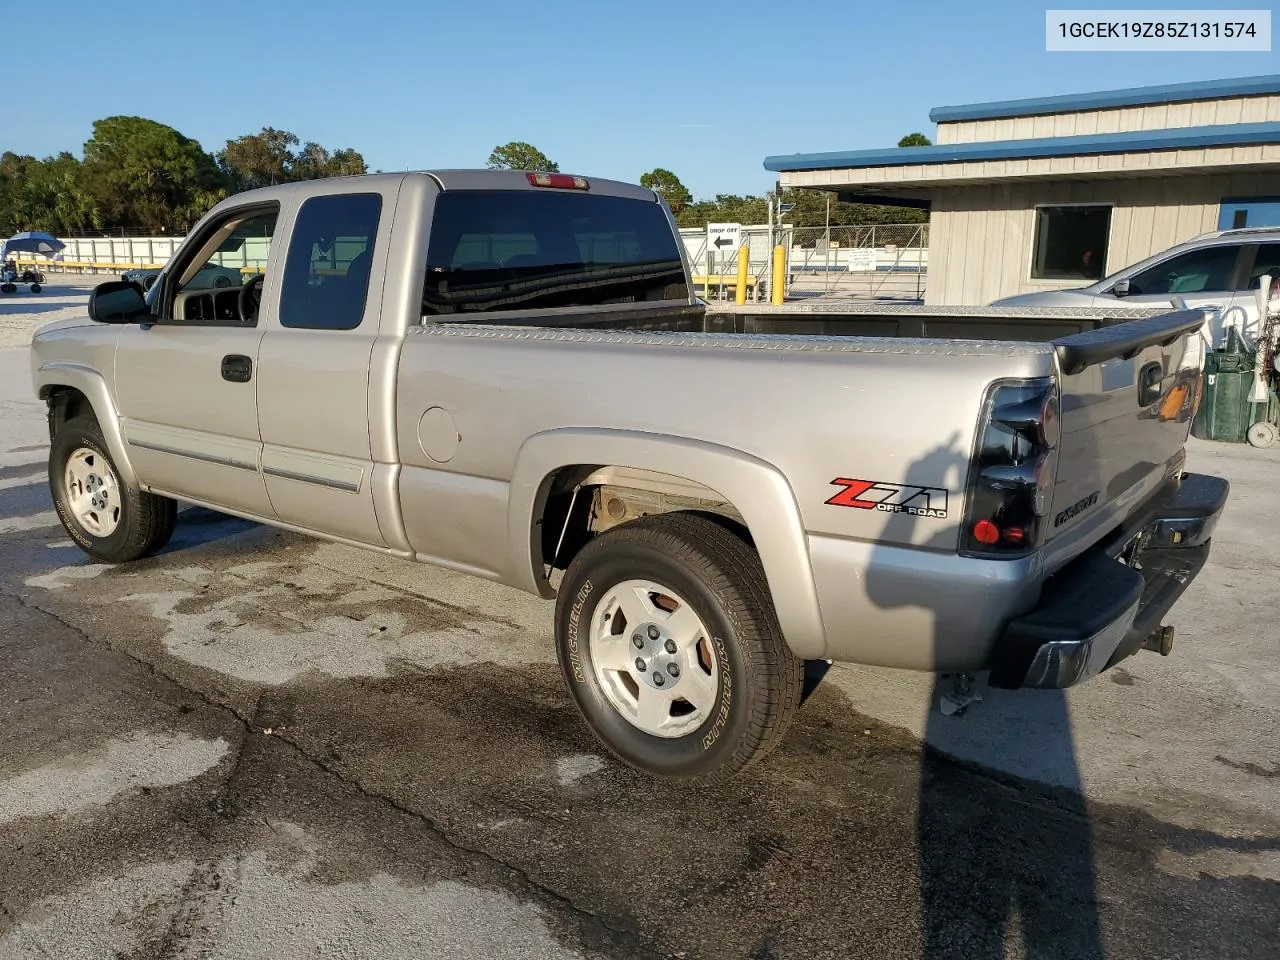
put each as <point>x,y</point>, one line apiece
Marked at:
<point>898,415</point>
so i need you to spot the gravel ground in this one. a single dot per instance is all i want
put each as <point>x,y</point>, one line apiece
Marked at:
<point>23,312</point>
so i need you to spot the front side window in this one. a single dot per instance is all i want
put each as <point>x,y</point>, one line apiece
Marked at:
<point>206,287</point>
<point>498,250</point>
<point>1196,271</point>
<point>1070,242</point>
<point>326,274</point>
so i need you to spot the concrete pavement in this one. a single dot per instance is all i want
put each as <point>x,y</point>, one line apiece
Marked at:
<point>256,745</point>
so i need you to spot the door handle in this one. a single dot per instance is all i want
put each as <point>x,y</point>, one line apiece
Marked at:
<point>237,368</point>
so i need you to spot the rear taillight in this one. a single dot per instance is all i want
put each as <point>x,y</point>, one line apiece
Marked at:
<point>562,181</point>
<point>1016,461</point>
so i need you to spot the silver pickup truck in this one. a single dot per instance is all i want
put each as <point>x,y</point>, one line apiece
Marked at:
<point>508,374</point>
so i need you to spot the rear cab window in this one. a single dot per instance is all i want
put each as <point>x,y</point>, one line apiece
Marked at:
<point>506,250</point>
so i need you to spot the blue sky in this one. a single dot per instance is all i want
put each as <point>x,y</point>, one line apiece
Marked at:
<point>705,89</point>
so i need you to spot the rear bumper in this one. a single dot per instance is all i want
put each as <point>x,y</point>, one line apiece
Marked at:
<point>1105,605</point>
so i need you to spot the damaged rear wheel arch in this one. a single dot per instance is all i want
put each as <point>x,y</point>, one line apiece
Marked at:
<point>583,501</point>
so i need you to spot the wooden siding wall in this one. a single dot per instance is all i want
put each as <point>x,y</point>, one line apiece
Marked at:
<point>1203,113</point>
<point>980,241</point>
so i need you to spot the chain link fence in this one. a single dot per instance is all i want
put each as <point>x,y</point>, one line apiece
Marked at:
<point>863,262</point>
<point>872,261</point>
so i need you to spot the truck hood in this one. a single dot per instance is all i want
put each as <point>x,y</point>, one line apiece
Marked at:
<point>1076,297</point>
<point>45,331</point>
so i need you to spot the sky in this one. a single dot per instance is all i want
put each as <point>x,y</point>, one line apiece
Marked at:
<point>707,90</point>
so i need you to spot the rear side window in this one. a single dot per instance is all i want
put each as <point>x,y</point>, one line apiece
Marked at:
<point>500,250</point>
<point>1268,262</point>
<point>326,275</point>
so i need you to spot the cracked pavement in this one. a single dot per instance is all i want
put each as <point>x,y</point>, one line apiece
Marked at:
<point>256,745</point>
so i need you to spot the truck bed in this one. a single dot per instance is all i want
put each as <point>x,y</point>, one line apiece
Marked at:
<point>1036,325</point>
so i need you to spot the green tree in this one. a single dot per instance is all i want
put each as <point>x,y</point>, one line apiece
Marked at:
<point>313,162</point>
<point>145,175</point>
<point>669,187</point>
<point>518,155</point>
<point>915,140</point>
<point>16,172</point>
<point>62,197</point>
<point>267,158</point>
<point>346,163</point>
<point>259,159</point>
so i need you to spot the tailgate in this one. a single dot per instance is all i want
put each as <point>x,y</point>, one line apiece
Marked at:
<point>1128,394</point>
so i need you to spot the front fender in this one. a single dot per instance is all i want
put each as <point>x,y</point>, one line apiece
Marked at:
<point>756,489</point>
<point>51,374</point>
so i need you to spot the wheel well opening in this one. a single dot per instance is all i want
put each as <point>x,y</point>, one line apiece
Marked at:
<point>65,403</point>
<point>584,501</point>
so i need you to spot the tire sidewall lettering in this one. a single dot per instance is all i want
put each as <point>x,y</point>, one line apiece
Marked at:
<point>572,640</point>
<point>726,696</point>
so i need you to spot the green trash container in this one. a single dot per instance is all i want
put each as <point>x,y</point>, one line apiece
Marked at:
<point>1225,411</point>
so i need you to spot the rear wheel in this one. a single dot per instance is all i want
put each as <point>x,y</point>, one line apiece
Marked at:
<point>670,646</point>
<point>109,519</point>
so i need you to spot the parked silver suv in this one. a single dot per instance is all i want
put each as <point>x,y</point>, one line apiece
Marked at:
<point>1219,269</point>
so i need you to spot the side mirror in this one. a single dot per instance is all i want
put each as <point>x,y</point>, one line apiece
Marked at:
<point>117,301</point>
<point>1121,289</point>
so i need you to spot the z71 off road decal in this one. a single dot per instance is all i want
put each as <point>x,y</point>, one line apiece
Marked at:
<point>891,497</point>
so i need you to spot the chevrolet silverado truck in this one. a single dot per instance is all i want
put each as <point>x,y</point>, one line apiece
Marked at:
<point>508,374</point>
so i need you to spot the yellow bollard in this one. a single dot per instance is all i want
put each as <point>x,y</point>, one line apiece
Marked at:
<point>777,282</point>
<point>741,295</point>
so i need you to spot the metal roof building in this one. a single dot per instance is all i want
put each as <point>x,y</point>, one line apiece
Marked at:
<point>1036,194</point>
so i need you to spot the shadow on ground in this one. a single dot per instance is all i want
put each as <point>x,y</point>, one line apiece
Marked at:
<point>25,303</point>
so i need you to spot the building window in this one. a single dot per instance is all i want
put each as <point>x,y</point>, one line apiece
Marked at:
<point>1237,212</point>
<point>1071,242</point>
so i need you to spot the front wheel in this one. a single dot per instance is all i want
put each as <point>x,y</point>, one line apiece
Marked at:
<point>668,640</point>
<point>36,288</point>
<point>109,519</point>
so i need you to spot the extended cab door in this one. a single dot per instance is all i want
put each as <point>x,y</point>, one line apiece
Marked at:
<point>186,382</point>
<point>314,363</point>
